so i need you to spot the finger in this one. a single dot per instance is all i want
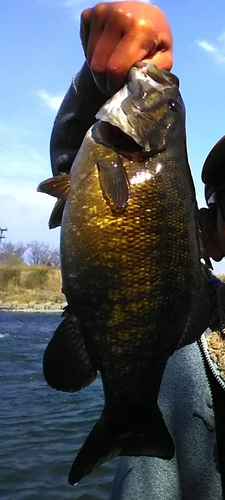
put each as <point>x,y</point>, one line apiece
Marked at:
<point>100,47</point>
<point>162,59</point>
<point>102,41</point>
<point>85,28</point>
<point>84,36</point>
<point>131,50</point>
<point>127,52</point>
<point>92,25</point>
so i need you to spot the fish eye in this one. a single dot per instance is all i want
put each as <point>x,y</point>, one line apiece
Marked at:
<point>173,105</point>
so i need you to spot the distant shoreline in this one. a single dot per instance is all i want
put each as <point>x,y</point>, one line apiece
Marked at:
<point>48,307</point>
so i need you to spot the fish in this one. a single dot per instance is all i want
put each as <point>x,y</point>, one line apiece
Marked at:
<point>134,266</point>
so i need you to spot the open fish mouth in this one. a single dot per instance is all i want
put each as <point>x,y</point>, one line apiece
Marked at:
<point>115,137</point>
<point>143,79</point>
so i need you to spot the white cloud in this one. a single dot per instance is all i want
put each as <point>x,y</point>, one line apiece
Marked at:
<point>51,101</point>
<point>26,217</point>
<point>206,46</point>
<point>217,49</point>
<point>23,165</point>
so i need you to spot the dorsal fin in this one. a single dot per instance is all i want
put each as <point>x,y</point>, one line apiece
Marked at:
<point>57,186</point>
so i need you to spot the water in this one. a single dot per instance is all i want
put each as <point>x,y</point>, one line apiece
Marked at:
<point>41,429</point>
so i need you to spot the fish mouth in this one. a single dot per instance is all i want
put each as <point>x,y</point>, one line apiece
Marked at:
<point>114,137</point>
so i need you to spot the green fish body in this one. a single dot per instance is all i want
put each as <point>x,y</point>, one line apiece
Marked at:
<point>131,264</point>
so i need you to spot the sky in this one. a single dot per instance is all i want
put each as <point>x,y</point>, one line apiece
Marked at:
<point>40,53</point>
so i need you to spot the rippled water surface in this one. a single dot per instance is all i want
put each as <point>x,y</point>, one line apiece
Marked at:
<point>41,429</point>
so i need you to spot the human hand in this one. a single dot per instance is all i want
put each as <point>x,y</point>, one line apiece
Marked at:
<point>118,34</point>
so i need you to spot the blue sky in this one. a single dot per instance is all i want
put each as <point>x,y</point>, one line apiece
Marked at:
<point>41,51</point>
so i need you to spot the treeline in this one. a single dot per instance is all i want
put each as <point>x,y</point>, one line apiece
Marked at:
<point>33,253</point>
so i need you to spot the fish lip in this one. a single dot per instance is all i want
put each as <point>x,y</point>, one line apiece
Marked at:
<point>157,78</point>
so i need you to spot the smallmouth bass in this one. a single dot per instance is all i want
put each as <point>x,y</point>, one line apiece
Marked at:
<point>131,260</point>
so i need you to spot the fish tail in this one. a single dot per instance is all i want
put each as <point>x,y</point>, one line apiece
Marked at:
<point>105,442</point>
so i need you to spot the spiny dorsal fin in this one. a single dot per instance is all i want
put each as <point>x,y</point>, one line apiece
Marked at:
<point>57,186</point>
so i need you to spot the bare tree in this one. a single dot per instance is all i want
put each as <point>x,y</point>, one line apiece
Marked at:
<point>41,253</point>
<point>12,252</point>
<point>55,257</point>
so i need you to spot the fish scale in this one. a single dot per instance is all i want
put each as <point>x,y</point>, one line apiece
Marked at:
<point>124,304</point>
<point>131,266</point>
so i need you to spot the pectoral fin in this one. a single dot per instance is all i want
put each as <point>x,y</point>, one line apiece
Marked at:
<point>114,181</point>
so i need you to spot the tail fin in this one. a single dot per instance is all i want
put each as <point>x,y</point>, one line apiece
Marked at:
<point>106,441</point>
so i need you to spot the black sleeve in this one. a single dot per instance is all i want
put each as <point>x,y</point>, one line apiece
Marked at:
<point>75,116</point>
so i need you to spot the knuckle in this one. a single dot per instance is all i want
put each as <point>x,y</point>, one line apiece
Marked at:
<point>97,66</point>
<point>85,15</point>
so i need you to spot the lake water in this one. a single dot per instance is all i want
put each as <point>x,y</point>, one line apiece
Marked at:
<point>41,429</point>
